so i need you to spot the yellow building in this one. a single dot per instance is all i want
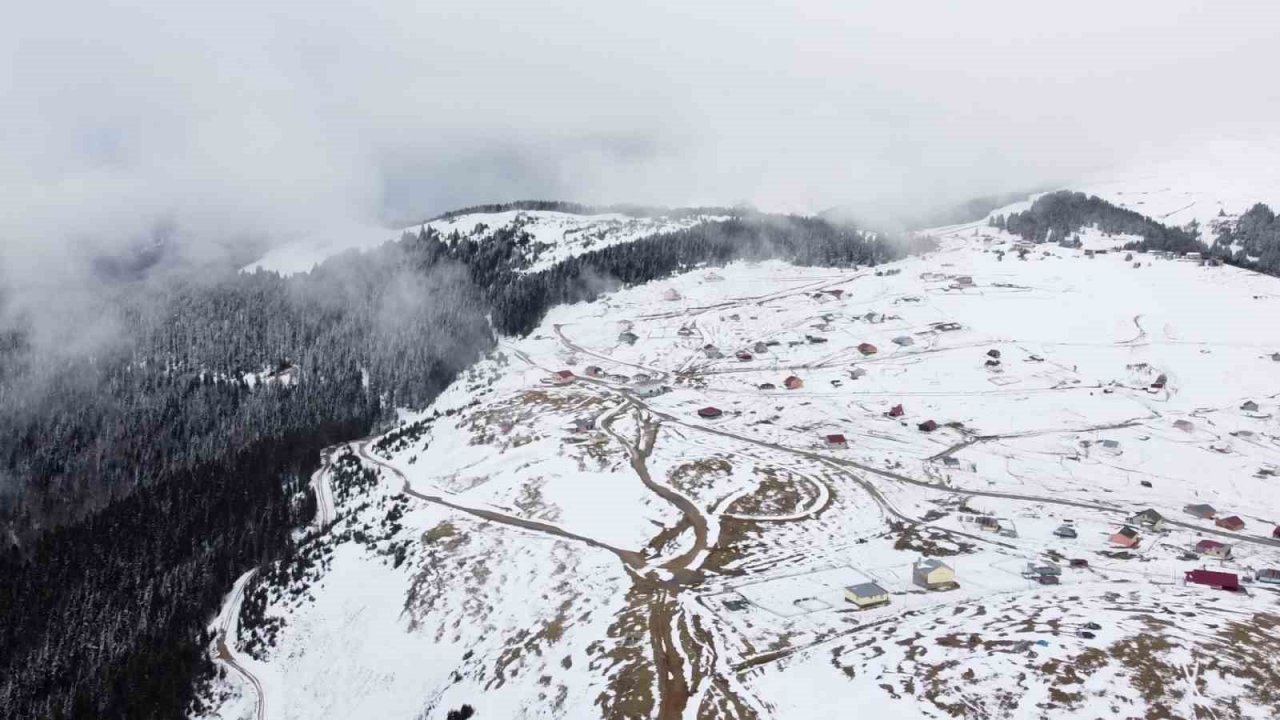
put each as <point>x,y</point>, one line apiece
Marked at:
<point>933,574</point>
<point>866,594</point>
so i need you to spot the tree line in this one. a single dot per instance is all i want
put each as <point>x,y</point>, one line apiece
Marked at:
<point>1251,241</point>
<point>139,480</point>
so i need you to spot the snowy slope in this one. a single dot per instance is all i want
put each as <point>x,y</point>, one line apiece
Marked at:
<point>655,563</point>
<point>554,236</point>
<point>1223,176</point>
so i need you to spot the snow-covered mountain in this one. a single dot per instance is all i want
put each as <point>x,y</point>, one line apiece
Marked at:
<point>552,235</point>
<point>666,502</point>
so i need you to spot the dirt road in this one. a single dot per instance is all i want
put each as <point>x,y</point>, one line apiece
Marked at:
<point>630,557</point>
<point>227,623</point>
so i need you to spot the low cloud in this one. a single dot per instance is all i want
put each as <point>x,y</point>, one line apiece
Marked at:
<point>239,126</point>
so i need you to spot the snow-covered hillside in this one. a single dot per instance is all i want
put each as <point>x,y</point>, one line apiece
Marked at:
<point>1225,177</point>
<point>553,235</point>
<point>670,530</point>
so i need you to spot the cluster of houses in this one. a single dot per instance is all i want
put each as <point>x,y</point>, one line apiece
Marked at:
<point>1234,523</point>
<point>1045,573</point>
<point>744,355</point>
<point>930,574</point>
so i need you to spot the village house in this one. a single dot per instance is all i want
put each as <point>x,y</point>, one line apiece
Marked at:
<point>1269,575</point>
<point>1042,569</point>
<point>1249,406</point>
<point>933,574</point>
<point>836,441</point>
<point>759,348</point>
<point>992,363</point>
<point>649,389</point>
<point>628,337</point>
<point>896,411</point>
<point>953,326</point>
<point>1275,533</point>
<point>836,293</point>
<point>1048,579</point>
<point>713,277</point>
<point>767,386</point>
<point>867,348</point>
<point>1149,519</point>
<point>742,355</point>
<point>581,425</point>
<point>1125,537</point>
<point>927,426</point>
<point>950,462</point>
<point>1232,523</point>
<point>1065,531</point>
<point>1184,425</point>
<point>856,373</point>
<point>1213,549</point>
<point>964,281</point>
<point>1110,447</point>
<point>685,331</point>
<point>1213,579</point>
<point>709,412</point>
<point>594,371</point>
<point>562,377</point>
<point>904,341</point>
<point>866,594</point>
<point>617,377</point>
<point>814,339</point>
<point>1275,356</point>
<point>671,294</point>
<point>712,351</point>
<point>1201,510</point>
<point>993,353</point>
<point>793,383</point>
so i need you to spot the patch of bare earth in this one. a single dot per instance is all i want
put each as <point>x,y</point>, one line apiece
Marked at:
<point>927,541</point>
<point>779,493</point>
<point>699,475</point>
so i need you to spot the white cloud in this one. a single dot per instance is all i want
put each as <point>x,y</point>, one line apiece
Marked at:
<point>274,120</point>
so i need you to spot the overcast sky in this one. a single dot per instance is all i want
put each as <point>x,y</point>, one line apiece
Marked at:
<point>281,120</point>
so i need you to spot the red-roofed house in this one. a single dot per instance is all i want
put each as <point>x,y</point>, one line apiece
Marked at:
<point>1125,537</point>
<point>710,412</point>
<point>867,348</point>
<point>927,426</point>
<point>1212,578</point>
<point>743,355</point>
<point>1213,548</point>
<point>1233,523</point>
<point>562,377</point>
<point>793,383</point>
<point>896,411</point>
<point>837,441</point>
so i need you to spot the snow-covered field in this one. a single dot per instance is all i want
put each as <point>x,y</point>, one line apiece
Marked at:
<point>599,549</point>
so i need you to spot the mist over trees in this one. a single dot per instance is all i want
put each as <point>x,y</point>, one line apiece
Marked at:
<point>142,476</point>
